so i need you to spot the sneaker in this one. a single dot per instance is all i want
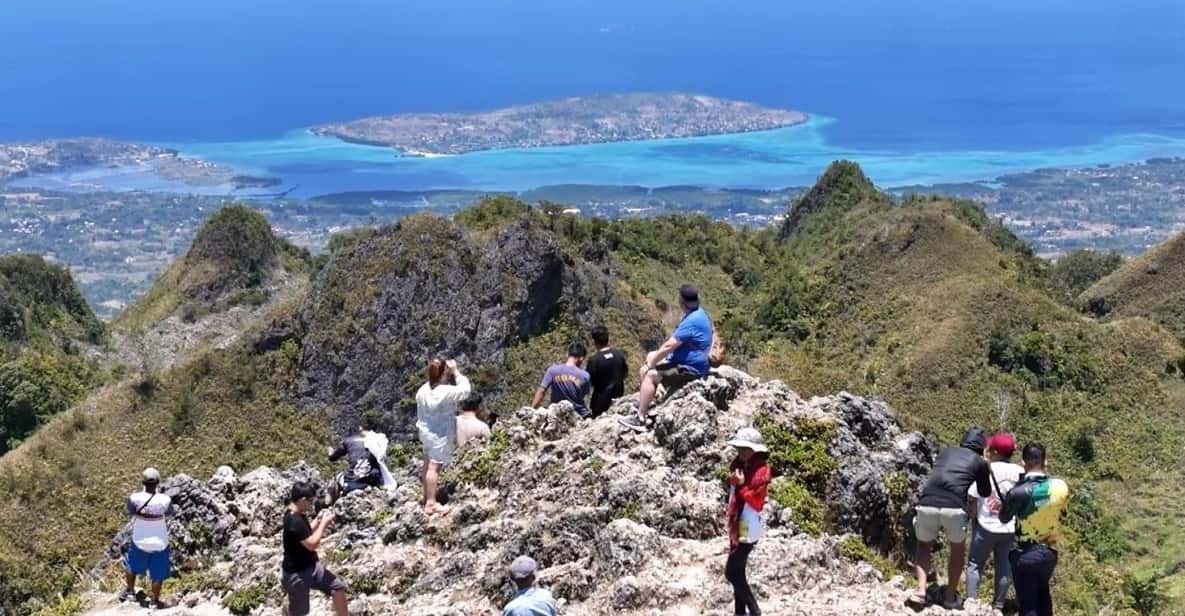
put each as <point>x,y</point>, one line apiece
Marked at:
<point>915,600</point>
<point>955,604</point>
<point>633,422</point>
<point>158,605</point>
<point>127,595</point>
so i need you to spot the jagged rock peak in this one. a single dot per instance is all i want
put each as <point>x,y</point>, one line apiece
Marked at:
<point>620,522</point>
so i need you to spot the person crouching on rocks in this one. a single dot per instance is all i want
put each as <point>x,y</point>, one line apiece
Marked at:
<point>301,570</point>
<point>436,418</point>
<point>748,480</point>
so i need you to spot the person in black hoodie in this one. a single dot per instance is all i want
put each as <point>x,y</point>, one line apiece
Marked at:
<point>943,506</point>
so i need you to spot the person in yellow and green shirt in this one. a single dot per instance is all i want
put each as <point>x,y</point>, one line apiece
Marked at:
<point>1038,503</point>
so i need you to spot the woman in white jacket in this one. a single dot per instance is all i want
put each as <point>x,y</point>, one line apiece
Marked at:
<point>437,403</point>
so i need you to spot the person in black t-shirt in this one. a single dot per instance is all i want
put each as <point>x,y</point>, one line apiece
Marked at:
<point>606,370</point>
<point>301,570</point>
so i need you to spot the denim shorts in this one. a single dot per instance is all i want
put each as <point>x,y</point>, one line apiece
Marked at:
<point>155,564</point>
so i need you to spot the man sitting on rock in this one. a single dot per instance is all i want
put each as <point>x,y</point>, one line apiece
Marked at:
<point>469,422</point>
<point>686,355</point>
<point>567,381</point>
<point>942,506</point>
<point>530,600</point>
<point>149,551</point>
<point>301,570</point>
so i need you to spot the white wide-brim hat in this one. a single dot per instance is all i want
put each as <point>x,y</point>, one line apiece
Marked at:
<point>749,438</point>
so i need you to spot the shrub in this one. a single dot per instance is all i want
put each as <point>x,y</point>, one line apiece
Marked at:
<point>1145,590</point>
<point>806,510</point>
<point>853,548</point>
<point>798,450</point>
<point>242,601</point>
<point>1077,270</point>
<point>485,468</point>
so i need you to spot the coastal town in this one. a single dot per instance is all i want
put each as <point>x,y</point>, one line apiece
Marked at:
<point>117,242</point>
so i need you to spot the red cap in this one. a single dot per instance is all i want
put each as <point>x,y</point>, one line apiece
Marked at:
<point>1002,443</point>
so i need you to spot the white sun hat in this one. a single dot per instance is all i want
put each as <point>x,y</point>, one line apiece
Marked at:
<point>749,438</point>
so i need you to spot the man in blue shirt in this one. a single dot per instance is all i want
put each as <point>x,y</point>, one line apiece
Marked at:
<point>686,355</point>
<point>530,600</point>
<point>567,381</point>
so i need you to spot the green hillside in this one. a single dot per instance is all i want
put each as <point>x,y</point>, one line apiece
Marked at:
<point>232,259</point>
<point>45,325</point>
<point>927,303</point>
<point>1151,285</point>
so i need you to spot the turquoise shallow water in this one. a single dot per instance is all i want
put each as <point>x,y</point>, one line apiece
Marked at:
<point>770,159</point>
<point>312,165</point>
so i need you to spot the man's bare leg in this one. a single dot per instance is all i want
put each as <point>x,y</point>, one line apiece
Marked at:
<point>921,563</point>
<point>954,570</point>
<point>646,392</point>
<point>339,603</point>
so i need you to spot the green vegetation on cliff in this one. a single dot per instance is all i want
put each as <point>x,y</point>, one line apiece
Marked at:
<point>44,325</point>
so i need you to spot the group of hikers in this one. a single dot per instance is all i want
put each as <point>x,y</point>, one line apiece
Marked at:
<point>1017,512</point>
<point>1018,509</point>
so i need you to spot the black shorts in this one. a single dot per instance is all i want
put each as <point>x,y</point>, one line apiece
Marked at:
<point>675,376</point>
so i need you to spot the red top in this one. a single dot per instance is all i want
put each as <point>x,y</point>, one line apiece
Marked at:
<point>751,492</point>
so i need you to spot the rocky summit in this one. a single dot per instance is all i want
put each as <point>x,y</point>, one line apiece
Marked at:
<point>620,522</point>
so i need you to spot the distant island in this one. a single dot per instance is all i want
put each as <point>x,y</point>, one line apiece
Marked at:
<point>570,121</point>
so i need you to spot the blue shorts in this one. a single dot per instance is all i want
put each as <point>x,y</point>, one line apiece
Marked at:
<point>155,564</point>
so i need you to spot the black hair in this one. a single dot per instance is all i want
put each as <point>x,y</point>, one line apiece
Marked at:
<point>472,402</point>
<point>577,349</point>
<point>301,490</point>
<point>689,294</point>
<point>600,335</point>
<point>1033,453</point>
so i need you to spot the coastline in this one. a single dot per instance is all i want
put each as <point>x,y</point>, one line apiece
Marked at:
<point>329,133</point>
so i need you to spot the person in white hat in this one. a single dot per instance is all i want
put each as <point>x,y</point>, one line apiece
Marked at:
<point>148,553</point>
<point>749,477</point>
<point>530,600</point>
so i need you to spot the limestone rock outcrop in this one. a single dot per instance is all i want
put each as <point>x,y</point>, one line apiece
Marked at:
<point>620,522</point>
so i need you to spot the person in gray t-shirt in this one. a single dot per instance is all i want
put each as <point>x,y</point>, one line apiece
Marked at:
<point>567,381</point>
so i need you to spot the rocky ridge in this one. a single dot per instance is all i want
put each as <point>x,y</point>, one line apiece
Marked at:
<point>621,523</point>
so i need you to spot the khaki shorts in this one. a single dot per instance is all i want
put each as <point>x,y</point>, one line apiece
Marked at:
<point>928,520</point>
<point>297,586</point>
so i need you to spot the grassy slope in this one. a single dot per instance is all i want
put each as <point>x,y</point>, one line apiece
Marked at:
<point>1152,286</point>
<point>914,297</point>
<point>220,408</point>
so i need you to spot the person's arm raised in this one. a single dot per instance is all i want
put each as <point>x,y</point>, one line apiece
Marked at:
<point>313,541</point>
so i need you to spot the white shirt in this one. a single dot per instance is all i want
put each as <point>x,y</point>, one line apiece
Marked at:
<point>1007,475</point>
<point>436,417</point>
<point>150,535</point>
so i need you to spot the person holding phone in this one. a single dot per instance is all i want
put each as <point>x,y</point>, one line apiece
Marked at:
<point>301,569</point>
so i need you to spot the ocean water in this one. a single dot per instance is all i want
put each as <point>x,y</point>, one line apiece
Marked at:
<point>917,90</point>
